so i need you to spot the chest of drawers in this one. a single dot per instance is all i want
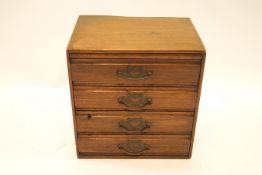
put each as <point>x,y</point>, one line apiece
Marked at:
<point>135,86</point>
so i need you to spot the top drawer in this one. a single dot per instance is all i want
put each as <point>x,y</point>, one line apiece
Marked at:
<point>135,74</point>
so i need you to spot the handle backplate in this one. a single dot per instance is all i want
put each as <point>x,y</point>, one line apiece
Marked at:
<point>134,147</point>
<point>135,100</point>
<point>134,73</point>
<point>134,124</point>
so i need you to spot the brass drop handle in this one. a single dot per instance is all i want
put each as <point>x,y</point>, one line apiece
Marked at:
<point>135,100</point>
<point>133,147</point>
<point>134,73</point>
<point>134,124</point>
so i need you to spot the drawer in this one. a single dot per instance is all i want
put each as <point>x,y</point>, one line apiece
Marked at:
<point>133,145</point>
<point>134,122</point>
<point>130,74</point>
<point>117,98</point>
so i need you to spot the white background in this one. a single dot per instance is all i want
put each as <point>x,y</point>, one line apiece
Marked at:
<point>36,130</point>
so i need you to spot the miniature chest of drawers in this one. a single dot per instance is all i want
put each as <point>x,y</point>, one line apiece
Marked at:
<point>135,86</point>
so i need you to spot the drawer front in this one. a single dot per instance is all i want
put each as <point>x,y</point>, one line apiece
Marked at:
<point>134,122</point>
<point>135,74</point>
<point>170,99</point>
<point>134,145</point>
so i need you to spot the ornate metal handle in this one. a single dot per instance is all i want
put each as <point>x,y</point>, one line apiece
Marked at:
<point>134,73</point>
<point>134,124</point>
<point>135,100</point>
<point>134,147</point>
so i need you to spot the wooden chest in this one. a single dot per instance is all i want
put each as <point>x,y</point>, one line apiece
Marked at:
<point>135,86</point>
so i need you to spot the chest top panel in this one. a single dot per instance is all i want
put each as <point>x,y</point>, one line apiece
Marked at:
<point>135,35</point>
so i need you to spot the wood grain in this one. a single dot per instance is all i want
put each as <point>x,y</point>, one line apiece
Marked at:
<point>197,103</point>
<point>82,155</point>
<point>105,74</point>
<point>159,144</point>
<point>82,56</point>
<point>171,48</point>
<point>90,122</point>
<point>106,98</point>
<point>134,34</point>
